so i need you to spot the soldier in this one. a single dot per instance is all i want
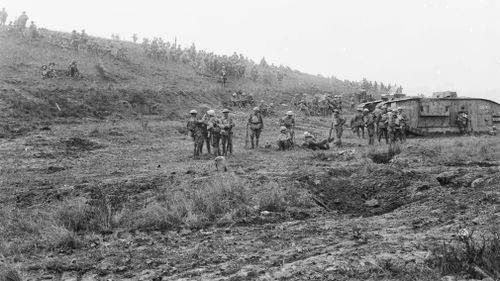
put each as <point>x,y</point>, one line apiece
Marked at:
<point>73,70</point>
<point>289,123</point>
<point>21,21</point>
<point>493,131</point>
<point>358,123</point>
<point>33,31</point>
<point>369,121</point>
<point>353,104</point>
<point>195,128</point>
<point>256,126</point>
<point>377,112</point>
<point>223,74</point>
<point>52,70</point>
<point>392,126</point>
<point>45,72</point>
<point>401,123</point>
<point>227,125</point>
<point>462,122</point>
<point>74,39</point>
<point>311,142</point>
<point>338,124</point>
<point>3,17</point>
<point>213,126</point>
<point>382,122</point>
<point>234,100</point>
<point>284,139</point>
<point>84,38</point>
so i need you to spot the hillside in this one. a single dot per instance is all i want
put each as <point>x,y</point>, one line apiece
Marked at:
<point>139,85</point>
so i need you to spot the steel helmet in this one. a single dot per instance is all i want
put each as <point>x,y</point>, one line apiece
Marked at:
<point>234,94</point>
<point>211,112</point>
<point>307,134</point>
<point>282,128</point>
<point>256,108</point>
<point>225,110</point>
<point>400,108</point>
<point>290,113</point>
<point>366,110</point>
<point>193,112</point>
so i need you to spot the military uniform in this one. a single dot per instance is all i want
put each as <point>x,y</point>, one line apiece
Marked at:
<point>462,122</point>
<point>3,17</point>
<point>338,125</point>
<point>289,123</point>
<point>358,125</point>
<point>369,121</point>
<point>284,140</point>
<point>215,134</point>
<point>227,125</point>
<point>195,128</point>
<point>310,142</point>
<point>401,126</point>
<point>382,127</point>
<point>256,126</point>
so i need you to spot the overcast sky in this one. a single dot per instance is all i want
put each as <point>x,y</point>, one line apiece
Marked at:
<point>423,45</point>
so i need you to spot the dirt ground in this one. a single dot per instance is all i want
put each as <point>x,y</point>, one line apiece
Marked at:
<point>343,217</point>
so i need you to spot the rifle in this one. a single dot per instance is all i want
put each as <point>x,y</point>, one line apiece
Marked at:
<point>330,138</point>
<point>246,138</point>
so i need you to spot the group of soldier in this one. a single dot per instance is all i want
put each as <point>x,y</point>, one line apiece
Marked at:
<point>383,122</point>
<point>316,106</point>
<point>50,71</point>
<point>216,133</point>
<point>19,24</point>
<point>241,99</point>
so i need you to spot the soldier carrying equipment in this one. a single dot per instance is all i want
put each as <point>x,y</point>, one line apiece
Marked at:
<point>338,124</point>
<point>289,123</point>
<point>256,126</point>
<point>369,121</point>
<point>195,128</point>
<point>213,126</point>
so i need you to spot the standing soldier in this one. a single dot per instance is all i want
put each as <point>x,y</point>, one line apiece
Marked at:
<point>234,100</point>
<point>289,123</point>
<point>73,70</point>
<point>391,126</point>
<point>223,74</point>
<point>369,122</point>
<point>74,39</point>
<point>256,126</point>
<point>213,126</point>
<point>84,38</point>
<point>382,125</point>
<point>401,125</point>
<point>338,125</point>
<point>3,17</point>
<point>21,21</point>
<point>205,134</point>
<point>33,31</point>
<point>462,122</point>
<point>195,128</point>
<point>227,125</point>
<point>358,123</point>
<point>377,112</point>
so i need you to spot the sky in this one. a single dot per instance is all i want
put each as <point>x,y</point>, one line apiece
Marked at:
<point>423,45</point>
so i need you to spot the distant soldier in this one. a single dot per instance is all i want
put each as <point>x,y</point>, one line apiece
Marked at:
<point>45,72</point>
<point>353,104</point>
<point>84,38</point>
<point>33,30</point>
<point>223,74</point>
<point>401,125</point>
<point>234,100</point>
<point>52,71</point>
<point>310,142</point>
<point>289,123</point>
<point>383,125</point>
<point>3,17</point>
<point>392,125</point>
<point>21,21</point>
<point>358,123</point>
<point>73,70</point>
<point>251,100</point>
<point>338,124</point>
<point>213,126</point>
<point>377,113</point>
<point>284,139</point>
<point>195,128</point>
<point>227,125</point>
<point>256,125</point>
<point>493,131</point>
<point>74,39</point>
<point>369,121</point>
<point>462,122</point>
<point>134,37</point>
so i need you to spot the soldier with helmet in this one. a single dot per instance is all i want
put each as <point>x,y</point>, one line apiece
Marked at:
<point>338,124</point>
<point>289,123</point>
<point>401,125</point>
<point>369,122</point>
<point>194,126</point>
<point>256,125</point>
<point>284,139</point>
<point>357,123</point>
<point>226,125</point>
<point>73,70</point>
<point>382,122</point>
<point>213,126</point>
<point>311,142</point>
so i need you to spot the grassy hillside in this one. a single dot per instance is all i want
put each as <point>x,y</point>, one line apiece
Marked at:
<point>147,85</point>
